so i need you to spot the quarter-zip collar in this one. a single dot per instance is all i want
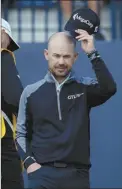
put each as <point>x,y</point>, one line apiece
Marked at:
<point>59,85</point>
<point>50,78</point>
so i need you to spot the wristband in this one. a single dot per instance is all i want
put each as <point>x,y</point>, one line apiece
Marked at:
<point>93,55</point>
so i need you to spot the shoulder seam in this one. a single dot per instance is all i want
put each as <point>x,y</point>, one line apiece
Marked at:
<point>34,87</point>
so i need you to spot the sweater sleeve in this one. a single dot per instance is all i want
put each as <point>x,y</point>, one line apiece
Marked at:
<point>105,87</point>
<point>24,131</point>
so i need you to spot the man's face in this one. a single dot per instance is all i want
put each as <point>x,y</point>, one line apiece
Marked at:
<point>5,39</point>
<point>61,57</point>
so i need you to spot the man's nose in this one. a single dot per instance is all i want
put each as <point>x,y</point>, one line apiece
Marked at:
<point>61,60</point>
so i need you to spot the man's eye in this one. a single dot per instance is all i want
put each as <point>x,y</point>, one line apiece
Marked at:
<point>57,55</point>
<point>67,56</point>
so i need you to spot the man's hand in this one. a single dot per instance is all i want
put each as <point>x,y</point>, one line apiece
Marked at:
<point>87,41</point>
<point>33,167</point>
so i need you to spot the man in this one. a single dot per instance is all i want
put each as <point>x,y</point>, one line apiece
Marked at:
<point>53,119</point>
<point>11,89</point>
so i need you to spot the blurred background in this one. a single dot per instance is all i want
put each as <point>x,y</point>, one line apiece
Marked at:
<point>32,23</point>
<point>29,18</point>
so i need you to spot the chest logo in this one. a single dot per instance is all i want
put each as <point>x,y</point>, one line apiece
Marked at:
<point>74,96</point>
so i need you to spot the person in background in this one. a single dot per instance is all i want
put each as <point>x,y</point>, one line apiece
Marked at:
<point>93,5</point>
<point>11,89</point>
<point>66,8</point>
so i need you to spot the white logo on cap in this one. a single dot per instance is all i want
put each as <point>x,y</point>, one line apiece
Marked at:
<point>96,29</point>
<point>76,16</point>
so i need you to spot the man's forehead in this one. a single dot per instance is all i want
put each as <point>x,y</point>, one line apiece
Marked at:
<point>62,51</point>
<point>61,47</point>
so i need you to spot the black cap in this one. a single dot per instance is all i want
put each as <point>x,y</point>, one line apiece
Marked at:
<point>83,18</point>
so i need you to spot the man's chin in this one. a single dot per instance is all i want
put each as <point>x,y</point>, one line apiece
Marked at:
<point>61,74</point>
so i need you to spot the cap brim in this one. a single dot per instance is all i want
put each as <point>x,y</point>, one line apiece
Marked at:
<point>13,45</point>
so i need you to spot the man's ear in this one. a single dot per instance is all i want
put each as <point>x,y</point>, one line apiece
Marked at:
<point>46,54</point>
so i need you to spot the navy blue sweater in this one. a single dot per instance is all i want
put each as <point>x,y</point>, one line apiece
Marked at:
<point>53,120</point>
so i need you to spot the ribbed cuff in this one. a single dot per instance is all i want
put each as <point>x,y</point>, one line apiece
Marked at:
<point>28,161</point>
<point>93,55</point>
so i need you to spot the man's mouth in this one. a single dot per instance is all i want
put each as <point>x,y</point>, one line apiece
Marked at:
<point>61,68</point>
